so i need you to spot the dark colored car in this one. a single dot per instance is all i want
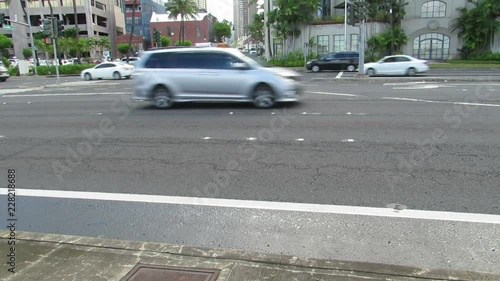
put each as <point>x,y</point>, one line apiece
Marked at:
<point>347,60</point>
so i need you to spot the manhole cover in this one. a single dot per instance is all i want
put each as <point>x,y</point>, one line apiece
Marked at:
<point>145,272</point>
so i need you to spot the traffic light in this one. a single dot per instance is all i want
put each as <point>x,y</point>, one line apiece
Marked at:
<point>58,27</point>
<point>156,36</point>
<point>2,18</point>
<point>351,15</point>
<point>361,10</point>
<point>47,27</point>
<point>357,11</point>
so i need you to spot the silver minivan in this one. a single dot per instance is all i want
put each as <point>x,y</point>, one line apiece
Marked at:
<point>211,74</point>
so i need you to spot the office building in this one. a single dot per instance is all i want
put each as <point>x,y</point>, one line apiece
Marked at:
<point>94,17</point>
<point>143,11</point>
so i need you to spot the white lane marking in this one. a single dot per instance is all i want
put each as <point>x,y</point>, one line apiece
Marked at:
<point>348,113</point>
<point>404,83</point>
<point>2,136</point>
<point>261,205</point>
<point>207,138</point>
<point>348,140</point>
<point>29,102</point>
<point>251,138</point>
<point>347,84</point>
<point>273,113</point>
<point>4,103</point>
<point>339,75</point>
<point>14,91</point>
<point>423,87</point>
<point>230,113</point>
<point>56,95</point>
<point>445,102</point>
<point>333,94</point>
<point>299,139</point>
<point>304,113</point>
<point>315,113</point>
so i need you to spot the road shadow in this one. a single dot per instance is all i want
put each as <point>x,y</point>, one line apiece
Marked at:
<point>218,106</point>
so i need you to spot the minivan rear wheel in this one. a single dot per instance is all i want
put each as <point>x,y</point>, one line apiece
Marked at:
<point>263,97</point>
<point>162,98</point>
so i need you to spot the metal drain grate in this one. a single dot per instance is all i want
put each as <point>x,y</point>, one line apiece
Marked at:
<point>146,272</point>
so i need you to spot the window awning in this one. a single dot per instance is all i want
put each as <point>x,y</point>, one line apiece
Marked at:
<point>341,6</point>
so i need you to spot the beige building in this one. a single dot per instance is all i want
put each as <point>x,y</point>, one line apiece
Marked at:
<point>95,18</point>
<point>428,24</point>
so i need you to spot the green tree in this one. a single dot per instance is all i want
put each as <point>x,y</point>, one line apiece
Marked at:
<point>125,49</point>
<point>103,42</point>
<point>186,9</point>
<point>5,43</point>
<point>183,43</point>
<point>256,29</point>
<point>477,27</point>
<point>380,44</point>
<point>165,41</point>
<point>222,30</point>
<point>27,53</point>
<point>289,15</point>
<point>380,10</point>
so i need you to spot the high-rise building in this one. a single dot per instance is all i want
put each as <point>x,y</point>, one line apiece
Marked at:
<point>241,17</point>
<point>202,4</point>
<point>143,11</point>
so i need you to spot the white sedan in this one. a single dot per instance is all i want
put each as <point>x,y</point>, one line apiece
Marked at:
<point>396,65</point>
<point>108,70</point>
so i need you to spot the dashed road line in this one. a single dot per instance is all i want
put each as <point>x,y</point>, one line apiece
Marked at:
<point>339,75</point>
<point>333,94</point>
<point>443,102</point>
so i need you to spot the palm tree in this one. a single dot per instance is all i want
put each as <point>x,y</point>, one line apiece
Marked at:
<point>102,43</point>
<point>77,32</point>
<point>186,9</point>
<point>132,29</point>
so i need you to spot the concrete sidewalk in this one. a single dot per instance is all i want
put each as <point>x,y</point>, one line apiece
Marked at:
<point>63,257</point>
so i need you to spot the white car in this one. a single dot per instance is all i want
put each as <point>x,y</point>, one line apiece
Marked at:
<point>4,72</point>
<point>396,65</point>
<point>108,70</point>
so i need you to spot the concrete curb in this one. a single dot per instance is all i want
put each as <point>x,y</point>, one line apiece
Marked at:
<point>383,269</point>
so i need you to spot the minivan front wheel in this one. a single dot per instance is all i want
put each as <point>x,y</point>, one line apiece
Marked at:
<point>351,68</point>
<point>316,68</point>
<point>263,97</point>
<point>162,98</point>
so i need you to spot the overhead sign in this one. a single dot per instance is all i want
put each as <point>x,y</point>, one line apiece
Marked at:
<point>106,54</point>
<point>8,27</point>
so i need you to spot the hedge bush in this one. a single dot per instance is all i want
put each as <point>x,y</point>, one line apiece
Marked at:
<point>63,69</point>
<point>292,59</point>
<point>487,57</point>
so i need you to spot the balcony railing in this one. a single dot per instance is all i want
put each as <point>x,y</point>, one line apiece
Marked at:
<point>341,20</point>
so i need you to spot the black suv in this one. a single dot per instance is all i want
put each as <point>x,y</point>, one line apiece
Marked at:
<point>347,60</point>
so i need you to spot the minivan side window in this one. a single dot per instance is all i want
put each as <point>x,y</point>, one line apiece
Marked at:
<point>159,60</point>
<point>221,61</point>
<point>339,56</point>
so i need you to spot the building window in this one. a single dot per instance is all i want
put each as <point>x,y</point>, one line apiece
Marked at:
<point>100,5</point>
<point>198,31</point>
<point>323,44</point>
<point>325,9</point>
<point>128,21</point>
<point>431,46</point>
<point>434,9</point>
<point>169,31</point>
<point>354,42</point>
<point>338,43</point>
<point>137,20</point>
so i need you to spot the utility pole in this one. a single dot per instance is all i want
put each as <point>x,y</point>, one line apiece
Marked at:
<point>33,48</point>
<point>362,35</point>
<point>54,40</point>
<point>345,23</point>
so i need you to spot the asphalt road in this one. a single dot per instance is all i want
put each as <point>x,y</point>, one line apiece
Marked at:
<point>425,146</point>
<point>346,144</point>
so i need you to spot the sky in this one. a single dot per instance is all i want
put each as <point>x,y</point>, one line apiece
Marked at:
<point>221,9</point>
